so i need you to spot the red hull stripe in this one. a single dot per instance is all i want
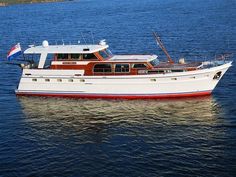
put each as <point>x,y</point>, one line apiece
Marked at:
<point>114,96</point>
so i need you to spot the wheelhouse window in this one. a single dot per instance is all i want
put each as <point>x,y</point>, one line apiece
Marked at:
<point>139,66</point>
<point>122,68</point>
<point>102,68</point>
<point>89,56</point>
<point>75,56</point>
<point>154,62</point>
<point>62,56</point>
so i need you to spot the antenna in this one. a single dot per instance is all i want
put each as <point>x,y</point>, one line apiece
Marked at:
<point>83,38</point>
<point>159,42</point>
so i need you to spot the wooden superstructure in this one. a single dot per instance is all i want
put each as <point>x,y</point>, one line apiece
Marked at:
<point>98,60</point>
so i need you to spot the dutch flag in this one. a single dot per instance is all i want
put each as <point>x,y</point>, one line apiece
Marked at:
<point>14,52</point>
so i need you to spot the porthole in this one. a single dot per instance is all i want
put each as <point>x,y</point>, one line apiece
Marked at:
<point>153,79</point>
<point>82,80</point>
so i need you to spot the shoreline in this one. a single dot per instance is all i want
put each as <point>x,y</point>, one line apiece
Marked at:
<point>4,4</point>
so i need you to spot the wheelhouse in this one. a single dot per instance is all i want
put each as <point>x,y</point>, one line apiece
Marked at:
<point>65,53</point>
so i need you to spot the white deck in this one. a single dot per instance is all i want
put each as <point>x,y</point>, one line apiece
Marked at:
<point>131,58</point>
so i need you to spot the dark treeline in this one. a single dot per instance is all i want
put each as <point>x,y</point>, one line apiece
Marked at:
<point>9,2</point>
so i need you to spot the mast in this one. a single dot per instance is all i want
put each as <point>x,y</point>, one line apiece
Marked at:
<point>158,40</point>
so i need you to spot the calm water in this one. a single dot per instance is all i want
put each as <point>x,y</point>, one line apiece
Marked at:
<point>66,137</point>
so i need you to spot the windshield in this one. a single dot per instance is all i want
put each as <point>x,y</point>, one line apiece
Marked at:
<point>109,52</point>
<point>105,53</point>
<point>154,62</point>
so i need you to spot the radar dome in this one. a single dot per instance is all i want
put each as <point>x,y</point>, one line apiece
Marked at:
<point>45,43</point>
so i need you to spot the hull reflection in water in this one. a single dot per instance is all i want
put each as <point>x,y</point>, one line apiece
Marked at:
<point>120,138</point>
<point>81,115</point>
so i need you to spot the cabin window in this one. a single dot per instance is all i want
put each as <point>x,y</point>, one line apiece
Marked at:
<point>70,80</point>
<point>75,56</point>
<point>122,68</point>
<point>59,80</point>
<point>177,70</point>
<point>89,56</point>
<point>103,54</point>
<point>101,68</point>
<point>139,65</point>
<point>62,56</point>
<point>156,72</point>
<point>34,80</point>
<point>47,80</point>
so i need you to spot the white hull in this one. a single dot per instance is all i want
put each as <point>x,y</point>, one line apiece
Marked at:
<point>67,83</point>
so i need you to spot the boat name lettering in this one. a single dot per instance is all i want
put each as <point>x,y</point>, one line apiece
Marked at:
<point>69,63</point>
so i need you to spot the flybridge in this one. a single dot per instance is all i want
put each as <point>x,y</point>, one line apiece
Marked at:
<point>54,49</point>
